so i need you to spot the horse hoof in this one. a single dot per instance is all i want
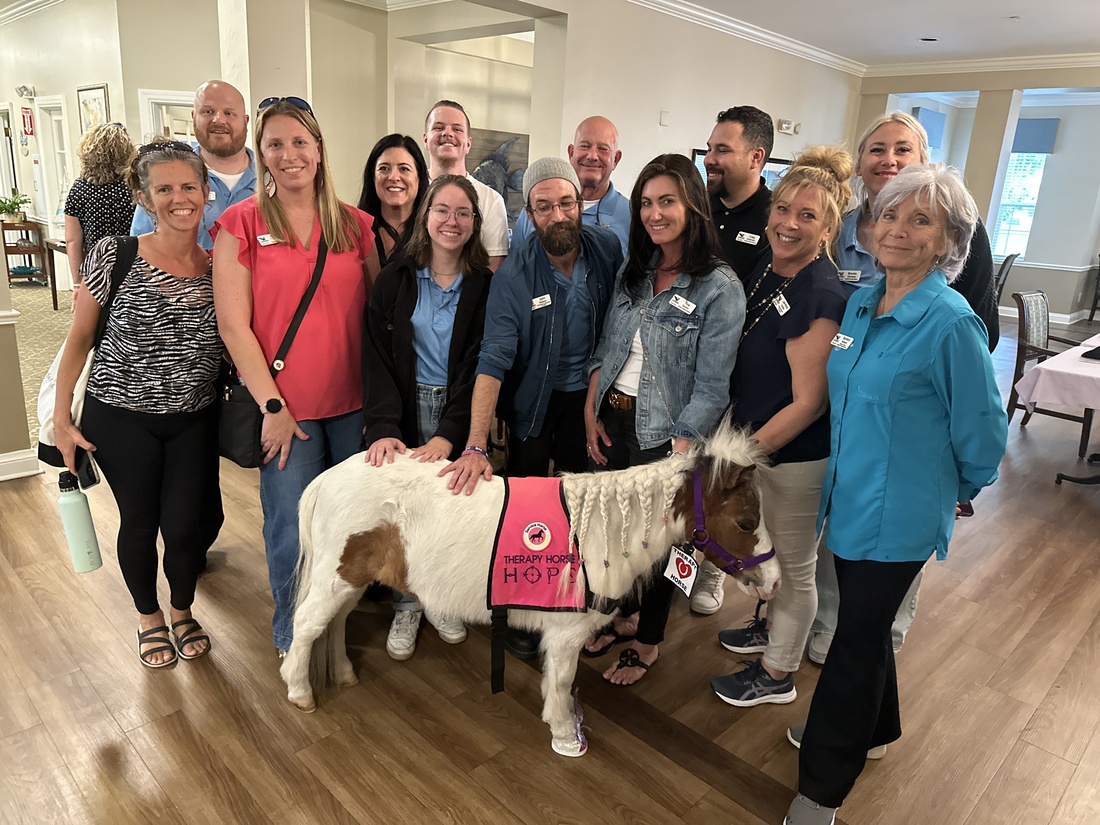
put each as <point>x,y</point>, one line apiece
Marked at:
<point>570,747</point>
<point>305,705</point>
<point>348,681</point>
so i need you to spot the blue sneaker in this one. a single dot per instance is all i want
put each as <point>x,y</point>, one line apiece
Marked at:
<point>750,639</point>
<point>753,686</point>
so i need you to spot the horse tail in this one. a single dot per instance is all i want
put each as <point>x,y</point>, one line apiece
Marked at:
<point>322,658</point>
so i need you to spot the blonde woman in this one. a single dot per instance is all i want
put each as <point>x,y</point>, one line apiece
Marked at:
<point>99,202</point>
<point>265,252</point>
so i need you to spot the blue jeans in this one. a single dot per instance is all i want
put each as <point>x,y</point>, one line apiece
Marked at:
<point>429,409</point>
<point>331,440</point>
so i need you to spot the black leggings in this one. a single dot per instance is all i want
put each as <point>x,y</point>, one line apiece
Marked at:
<point>655,602</point>
<point>163,470</point>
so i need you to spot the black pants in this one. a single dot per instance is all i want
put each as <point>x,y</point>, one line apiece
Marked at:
<point>855,705</point>
<point>655,601</point>
<point>163,470</point>
<point>561,439</point>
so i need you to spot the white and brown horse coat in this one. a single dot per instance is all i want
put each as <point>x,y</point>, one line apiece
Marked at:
<point>400,525</point>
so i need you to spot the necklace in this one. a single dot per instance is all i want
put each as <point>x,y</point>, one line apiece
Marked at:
<point>764,303</point>
<point>435,274</point>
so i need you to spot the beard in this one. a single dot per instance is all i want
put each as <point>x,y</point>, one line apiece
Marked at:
<point>227,145</point>
<point>560,238</point>
<point>717,189</point>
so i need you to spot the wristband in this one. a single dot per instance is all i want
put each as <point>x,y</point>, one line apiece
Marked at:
<point>478,450</point>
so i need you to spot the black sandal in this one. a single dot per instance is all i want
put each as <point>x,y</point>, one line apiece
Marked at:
<point>607,631</point>
<point>145,637</point>
<point>631,658</point>
<point>190,636</point>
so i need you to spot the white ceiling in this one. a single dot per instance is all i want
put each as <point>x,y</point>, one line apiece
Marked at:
<point>885,32</point>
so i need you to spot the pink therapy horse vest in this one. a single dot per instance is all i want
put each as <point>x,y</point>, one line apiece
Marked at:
<point>532,550</point>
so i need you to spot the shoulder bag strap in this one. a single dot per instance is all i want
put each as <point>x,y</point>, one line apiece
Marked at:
<point>125,255</point>
<point>300,313</point>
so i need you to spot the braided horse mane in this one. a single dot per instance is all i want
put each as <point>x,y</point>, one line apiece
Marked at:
<point>624,521</point>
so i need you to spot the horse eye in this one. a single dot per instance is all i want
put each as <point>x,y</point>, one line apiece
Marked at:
<point>748,525</point>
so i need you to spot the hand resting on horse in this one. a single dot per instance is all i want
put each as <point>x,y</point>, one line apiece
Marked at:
<point>383,450</point>
<point>437,447</point>
<point>467,469</point>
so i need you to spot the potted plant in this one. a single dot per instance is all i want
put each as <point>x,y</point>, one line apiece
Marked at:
<point>11,208</point>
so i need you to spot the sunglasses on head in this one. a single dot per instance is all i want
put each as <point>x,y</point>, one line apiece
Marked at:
<point>162,145</point>
<point>296,102</point>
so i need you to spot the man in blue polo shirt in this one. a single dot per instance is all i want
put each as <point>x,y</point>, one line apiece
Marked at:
<point>221,128</point>
<point>593,154</point>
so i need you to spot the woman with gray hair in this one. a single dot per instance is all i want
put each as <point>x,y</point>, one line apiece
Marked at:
<point>917,425</point>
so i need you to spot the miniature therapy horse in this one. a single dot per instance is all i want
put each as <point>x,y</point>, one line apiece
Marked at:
<point>399,524</point>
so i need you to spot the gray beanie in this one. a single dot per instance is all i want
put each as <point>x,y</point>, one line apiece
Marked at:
<point>548,169</point>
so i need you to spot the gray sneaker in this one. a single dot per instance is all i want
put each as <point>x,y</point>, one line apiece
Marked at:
<point>804,811</point>
<point>794,736</point>
<point>752,638</point>
<point>753,686</point>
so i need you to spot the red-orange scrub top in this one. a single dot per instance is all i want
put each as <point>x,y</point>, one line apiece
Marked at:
<point>322,377</point>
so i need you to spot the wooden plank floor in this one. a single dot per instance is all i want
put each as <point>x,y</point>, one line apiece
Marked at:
<point>1000,682</point>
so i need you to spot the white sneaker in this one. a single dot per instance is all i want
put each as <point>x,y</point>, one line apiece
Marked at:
<point>708,595</point>
<point>452,631</point>
<point>818,647</point>
<point>401,640</point>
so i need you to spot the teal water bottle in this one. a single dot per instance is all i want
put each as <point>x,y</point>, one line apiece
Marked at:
<point>76,517</point>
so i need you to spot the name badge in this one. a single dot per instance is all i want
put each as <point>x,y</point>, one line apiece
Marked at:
<point>747,237</point>
<point>681,569</point>
<point>213,196</point>
<point>849,276</point>
<point>540,302</point>
<point>781,305</point>
<point>842,341</point>
<point>265,240</point>
<point>683,304</point>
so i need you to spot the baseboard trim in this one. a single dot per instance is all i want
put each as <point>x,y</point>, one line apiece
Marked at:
<point>1055,317</point>
<point>19,464</point>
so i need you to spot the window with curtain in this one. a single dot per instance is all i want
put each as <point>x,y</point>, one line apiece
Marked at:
<point>1017,209</point>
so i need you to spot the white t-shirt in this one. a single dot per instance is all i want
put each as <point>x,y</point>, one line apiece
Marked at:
<point>630,375</point>
<point>494,218</point>
<point>230,181</point>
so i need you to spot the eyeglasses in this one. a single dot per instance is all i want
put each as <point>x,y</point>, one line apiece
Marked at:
<point>442,213</point>
<point>296,102</point>
<point>160,146</point>
<point>542,208</point>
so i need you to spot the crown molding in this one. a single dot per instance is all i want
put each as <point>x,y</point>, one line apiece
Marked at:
<point>995,64</point>
<point>729,25</point>
<point>394,5</point>
<point>21,10</point>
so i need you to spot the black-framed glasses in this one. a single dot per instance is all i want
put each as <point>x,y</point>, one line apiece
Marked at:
<point>296,102</point>
<point>158,146</point>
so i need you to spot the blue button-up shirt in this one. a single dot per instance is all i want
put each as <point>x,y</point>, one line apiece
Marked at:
<point>221,198</point>
<point>917,423</point>
<point>611,211</point>
<point>433,322</point>
<point>852,257</point>
<point>576,346</point>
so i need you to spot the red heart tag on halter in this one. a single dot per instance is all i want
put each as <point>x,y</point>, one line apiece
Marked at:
<point>683,568</point>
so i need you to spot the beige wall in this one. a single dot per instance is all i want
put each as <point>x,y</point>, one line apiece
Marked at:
<point>349,55</point>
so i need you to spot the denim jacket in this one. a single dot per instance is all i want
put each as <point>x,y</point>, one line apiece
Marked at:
<point>690,348</point>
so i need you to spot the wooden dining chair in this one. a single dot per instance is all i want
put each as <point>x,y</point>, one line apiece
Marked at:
<point>1033,344</point>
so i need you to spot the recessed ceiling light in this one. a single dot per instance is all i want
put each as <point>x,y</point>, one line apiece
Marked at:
<point>929,40</point>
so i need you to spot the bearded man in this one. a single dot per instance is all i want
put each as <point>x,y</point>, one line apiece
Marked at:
<point>220,120</point>
<point>544,317</point>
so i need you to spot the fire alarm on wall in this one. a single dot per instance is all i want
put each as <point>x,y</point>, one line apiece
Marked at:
<point>788,127</point>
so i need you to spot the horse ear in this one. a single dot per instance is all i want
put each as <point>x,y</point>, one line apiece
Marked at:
<point>743,475</point>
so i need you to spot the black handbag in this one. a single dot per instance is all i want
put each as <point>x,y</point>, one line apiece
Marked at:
<point>240,419</point>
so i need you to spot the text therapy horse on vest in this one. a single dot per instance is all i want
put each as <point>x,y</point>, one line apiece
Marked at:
<point>399,524</point>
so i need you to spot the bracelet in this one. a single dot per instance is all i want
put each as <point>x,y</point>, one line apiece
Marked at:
<point>478,450</point>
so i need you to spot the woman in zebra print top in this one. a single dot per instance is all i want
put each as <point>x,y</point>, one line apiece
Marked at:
<point>149,412</point>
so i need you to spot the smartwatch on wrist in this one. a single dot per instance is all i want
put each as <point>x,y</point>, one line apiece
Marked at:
<point>272,406</point>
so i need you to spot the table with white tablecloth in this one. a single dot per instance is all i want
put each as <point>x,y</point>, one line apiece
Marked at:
<point>1065,381</point>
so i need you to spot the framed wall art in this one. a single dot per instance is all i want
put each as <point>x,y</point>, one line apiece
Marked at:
<point>93,105</point>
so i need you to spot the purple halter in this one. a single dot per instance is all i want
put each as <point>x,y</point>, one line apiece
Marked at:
<point>701,540</point>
